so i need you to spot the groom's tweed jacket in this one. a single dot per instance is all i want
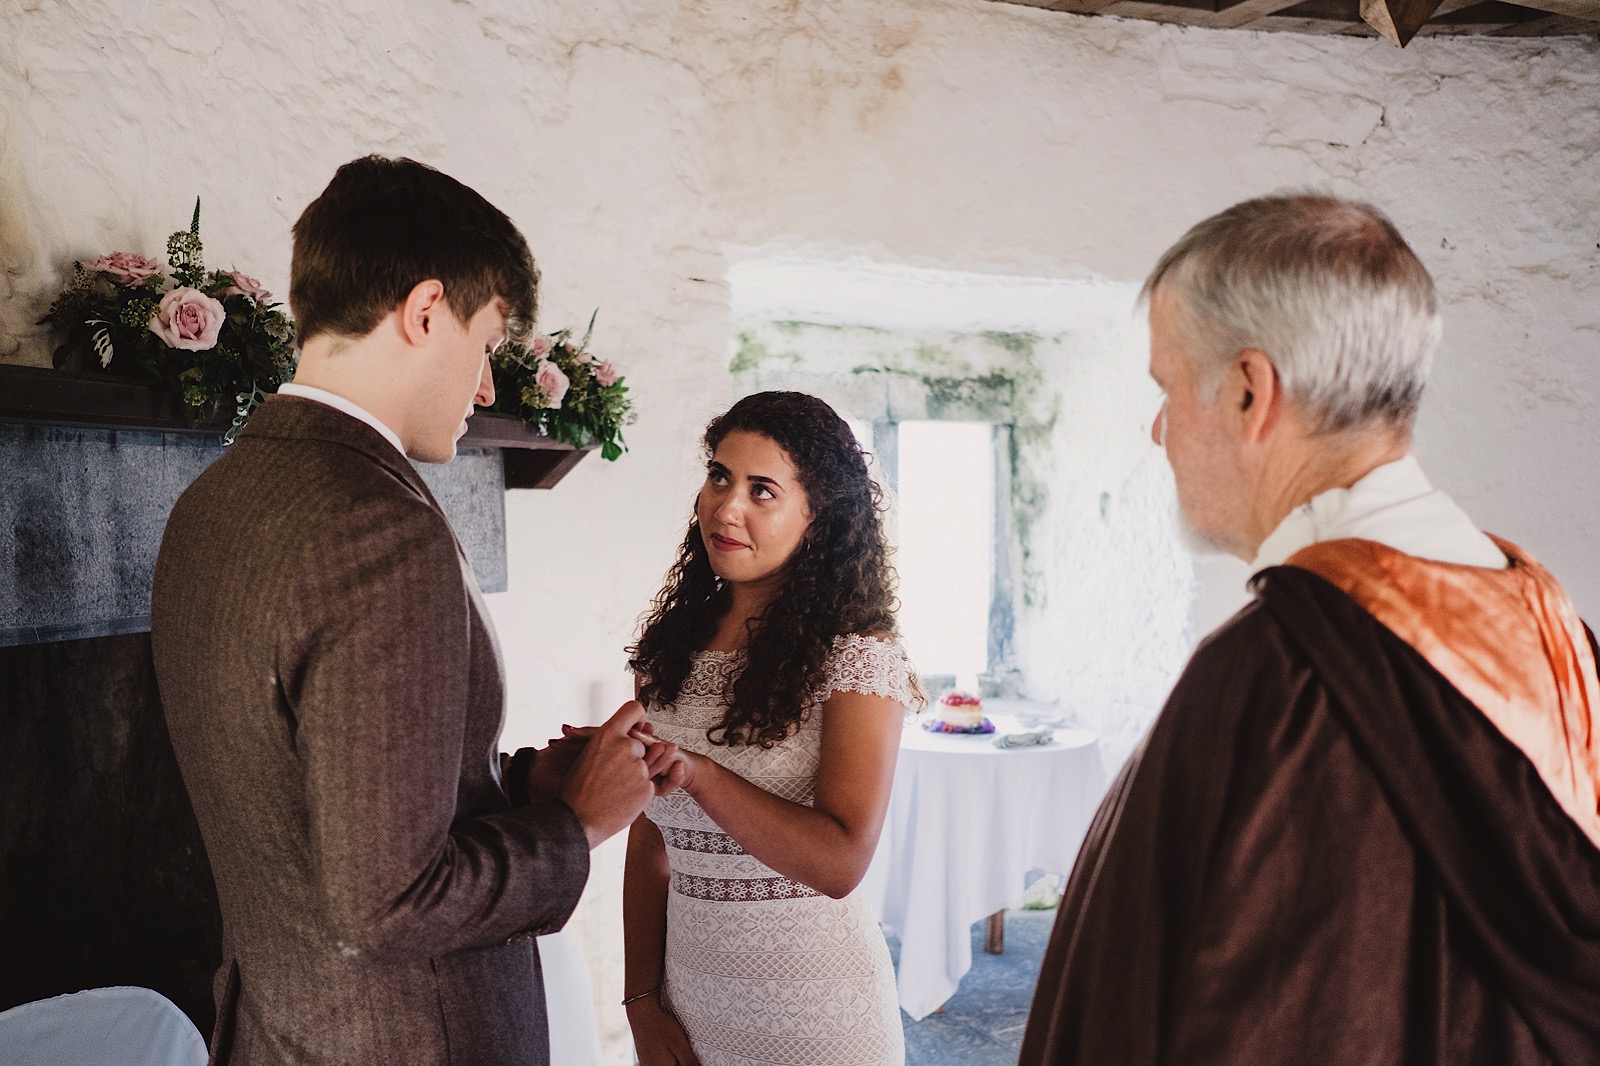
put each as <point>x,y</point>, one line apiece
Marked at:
<point>335,696</point>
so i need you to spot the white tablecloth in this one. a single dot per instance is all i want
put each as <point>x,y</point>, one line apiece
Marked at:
<point>967,823</point>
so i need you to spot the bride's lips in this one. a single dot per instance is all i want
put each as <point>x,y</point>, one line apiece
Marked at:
<point>722,543</point>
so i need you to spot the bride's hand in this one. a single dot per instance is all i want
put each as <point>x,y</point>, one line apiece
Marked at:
<point>658,1038</point>
<point>669,766</point>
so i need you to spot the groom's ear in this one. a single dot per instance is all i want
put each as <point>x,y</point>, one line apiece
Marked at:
<point>420,311</point>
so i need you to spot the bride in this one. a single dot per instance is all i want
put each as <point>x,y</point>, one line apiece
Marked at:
<point>771,659</point>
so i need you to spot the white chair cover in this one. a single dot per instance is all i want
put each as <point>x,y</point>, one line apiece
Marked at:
<point>138,1027</point>
<point>100,1027</point>
<point>103,1026</point>
<point>569,1001</point>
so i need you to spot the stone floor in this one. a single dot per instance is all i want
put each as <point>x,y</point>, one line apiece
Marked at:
<point>982,1023</point>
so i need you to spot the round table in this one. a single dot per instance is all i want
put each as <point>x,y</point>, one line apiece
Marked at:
<point>967,823</point>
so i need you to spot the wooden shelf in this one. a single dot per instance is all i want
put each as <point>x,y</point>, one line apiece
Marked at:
<point>532,460</point>
<point>63,398</point>
<point>101,401</point>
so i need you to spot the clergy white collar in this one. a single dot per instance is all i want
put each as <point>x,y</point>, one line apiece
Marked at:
<point>1394,505</point>
<point>339,403</point>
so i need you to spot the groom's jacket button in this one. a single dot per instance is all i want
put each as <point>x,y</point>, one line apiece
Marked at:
<point>527,934</point>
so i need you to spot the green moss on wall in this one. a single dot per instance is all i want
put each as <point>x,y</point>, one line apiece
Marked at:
<point>753,355</point>
<point>989,397</point>
<point>1020,345</point>
<point>1030,456</point>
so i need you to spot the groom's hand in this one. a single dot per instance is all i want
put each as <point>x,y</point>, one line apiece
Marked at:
<point>661,758</point>
<point>609,784</point>
<point>552,765</point>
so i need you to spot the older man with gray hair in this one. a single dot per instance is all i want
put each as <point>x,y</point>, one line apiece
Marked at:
<point>1364,828</point>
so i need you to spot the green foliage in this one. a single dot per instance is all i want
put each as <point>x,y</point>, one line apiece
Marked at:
<point>107,317</point>
<point>991,395</point>
<point>751,354</point>
<point>1021,345</point>
<point>589,412</point>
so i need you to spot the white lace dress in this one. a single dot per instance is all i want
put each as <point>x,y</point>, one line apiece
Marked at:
<point>761,969</point>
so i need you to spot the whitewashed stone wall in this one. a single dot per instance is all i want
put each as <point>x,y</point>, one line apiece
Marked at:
<point>647,148</point>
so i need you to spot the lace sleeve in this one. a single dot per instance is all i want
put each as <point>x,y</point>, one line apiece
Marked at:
<point>872,666</point>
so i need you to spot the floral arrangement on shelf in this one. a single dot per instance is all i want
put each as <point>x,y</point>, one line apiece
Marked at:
<point>213,338</point>
<point>556,386</point>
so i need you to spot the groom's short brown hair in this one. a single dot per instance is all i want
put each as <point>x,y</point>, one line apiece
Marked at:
<point>383,226</point>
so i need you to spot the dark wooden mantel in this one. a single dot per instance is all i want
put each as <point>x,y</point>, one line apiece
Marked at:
<point>42,396</point>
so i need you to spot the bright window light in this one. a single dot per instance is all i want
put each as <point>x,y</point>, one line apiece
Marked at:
<point>946,545</point>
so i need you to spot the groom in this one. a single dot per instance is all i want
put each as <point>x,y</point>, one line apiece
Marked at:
<point>331,678</point>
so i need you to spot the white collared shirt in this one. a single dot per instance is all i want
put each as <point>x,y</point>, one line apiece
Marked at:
<point>339,403</point>
<point>1394,505</point>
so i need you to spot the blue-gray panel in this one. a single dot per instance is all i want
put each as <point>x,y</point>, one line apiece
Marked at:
<point>82,511</point>
<point>472,492</point>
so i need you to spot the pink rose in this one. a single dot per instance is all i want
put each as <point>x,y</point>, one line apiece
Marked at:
<point>541,346</point>
<point>130,268</point>
<point>552,381</point>
<point>605,373</point>
<point>188,318</point>
<point>245,285</point>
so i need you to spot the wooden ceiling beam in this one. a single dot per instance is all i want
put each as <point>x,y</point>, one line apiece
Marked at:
<point>1394,19</point>
<point>1397,20</point>
<point>1587,10</point>
<point>1243,13</point>
<point>1316,27</point>
<point>1158,12</point>
<point>1549,26</point>
<point>1471,29</point>
<point>1071,7</point>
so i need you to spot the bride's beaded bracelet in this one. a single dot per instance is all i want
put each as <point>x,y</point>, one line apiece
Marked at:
<point>635,998</point>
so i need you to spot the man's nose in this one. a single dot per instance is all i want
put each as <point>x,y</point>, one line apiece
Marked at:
<point>485,396</point>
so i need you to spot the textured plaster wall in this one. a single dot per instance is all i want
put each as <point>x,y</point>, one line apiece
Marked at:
<point>647,148</point>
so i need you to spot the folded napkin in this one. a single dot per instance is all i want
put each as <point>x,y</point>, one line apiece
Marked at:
<point>1024,740</point>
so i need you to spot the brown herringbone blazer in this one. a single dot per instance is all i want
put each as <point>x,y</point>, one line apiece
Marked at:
<point>335,696</point>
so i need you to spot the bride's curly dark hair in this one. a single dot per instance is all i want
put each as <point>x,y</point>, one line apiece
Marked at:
<point>839,580</point>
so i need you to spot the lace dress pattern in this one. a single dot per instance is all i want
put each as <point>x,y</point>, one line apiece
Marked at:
<point>761,969</point>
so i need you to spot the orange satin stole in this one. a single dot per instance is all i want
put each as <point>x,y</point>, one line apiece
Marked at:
<point>1509,640</point>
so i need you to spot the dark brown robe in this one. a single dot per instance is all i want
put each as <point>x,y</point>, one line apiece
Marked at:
<point>1323,853</point>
